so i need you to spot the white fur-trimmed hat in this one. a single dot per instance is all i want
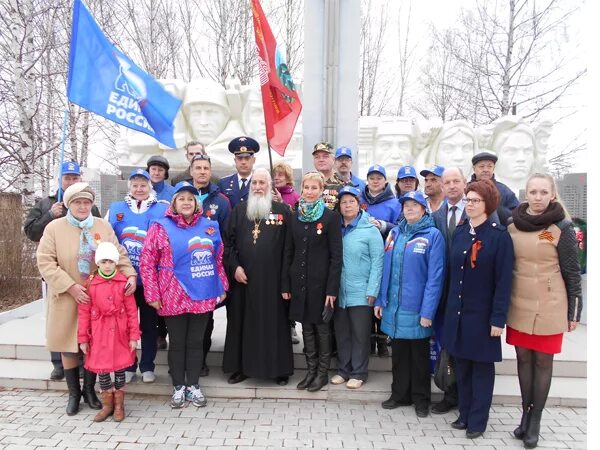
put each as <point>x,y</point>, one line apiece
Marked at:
<point>107,250</point>
<point>78,190</point>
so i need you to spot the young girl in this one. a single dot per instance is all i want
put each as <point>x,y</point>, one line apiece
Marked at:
<point>108,330</point>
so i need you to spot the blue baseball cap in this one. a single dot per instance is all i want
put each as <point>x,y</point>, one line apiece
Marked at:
<point>415,196</point>
<point>349,190</point>
<point>139,173</point>
<point>343,151</point>
<point>436,170</point>
<point>406,172</point>
<point>70,167</point>
<point>185,186</point>
<point>377,168</point>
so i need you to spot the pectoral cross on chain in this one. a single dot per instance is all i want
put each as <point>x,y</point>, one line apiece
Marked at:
<point>255,232</point>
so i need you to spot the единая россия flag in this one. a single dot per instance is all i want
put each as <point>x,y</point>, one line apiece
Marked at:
<point>105,81</point>
<point>281,103</point>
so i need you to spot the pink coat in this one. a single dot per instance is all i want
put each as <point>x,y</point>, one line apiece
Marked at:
<point>161,285</point>
<point>107,323</point>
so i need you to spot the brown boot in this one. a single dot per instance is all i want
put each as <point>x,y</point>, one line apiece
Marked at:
<point>107,406</point>
<point>119,413</point>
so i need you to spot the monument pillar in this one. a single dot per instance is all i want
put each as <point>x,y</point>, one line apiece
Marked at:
<point>331,76</point>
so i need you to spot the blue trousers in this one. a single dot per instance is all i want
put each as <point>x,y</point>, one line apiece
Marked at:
<point>148,327</point>
<point>475,382</point>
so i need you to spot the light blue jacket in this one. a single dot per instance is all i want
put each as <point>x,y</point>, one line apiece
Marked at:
<point>362,264</point>
<point>413,278</point>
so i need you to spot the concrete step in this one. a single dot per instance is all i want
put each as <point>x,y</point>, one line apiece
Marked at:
<point>23,339</point>
<point>33,374</point>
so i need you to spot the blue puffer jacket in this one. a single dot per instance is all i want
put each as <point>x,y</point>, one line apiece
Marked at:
<point>384,206</point>
<point>362,265</point>
<point>413,278</point>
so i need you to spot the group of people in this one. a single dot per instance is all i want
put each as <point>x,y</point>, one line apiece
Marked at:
<point>358,264</point>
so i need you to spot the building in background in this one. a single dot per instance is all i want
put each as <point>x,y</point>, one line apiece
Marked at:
<point>572,189</point>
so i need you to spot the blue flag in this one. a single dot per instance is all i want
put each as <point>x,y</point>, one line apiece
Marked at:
<point>105,81</point>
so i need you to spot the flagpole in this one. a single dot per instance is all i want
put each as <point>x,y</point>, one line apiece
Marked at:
<point>62,155</point>
<point>270,158</point>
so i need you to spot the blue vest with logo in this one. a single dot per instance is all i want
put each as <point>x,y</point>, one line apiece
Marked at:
<point>131,228</point>
<point>195,252</point>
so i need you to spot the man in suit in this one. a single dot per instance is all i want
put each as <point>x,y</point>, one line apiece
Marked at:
<point>447,217</point>
<point>236,186</point>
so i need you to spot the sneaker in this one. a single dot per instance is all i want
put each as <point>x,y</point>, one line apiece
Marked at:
<point>148,377</point>
<point>195,395</point>
<point>178,398</point>
<point>129,376</point>
<point>353,383</point>
<point>337,379</point>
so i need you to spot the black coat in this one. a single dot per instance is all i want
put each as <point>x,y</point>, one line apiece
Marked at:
<point>478,297</point>
<point>316,265</point>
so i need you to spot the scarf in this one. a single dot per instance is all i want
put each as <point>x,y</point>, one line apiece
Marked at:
<point>87,246</point>
<point>144,205</point>
<point>527,222</point>
<point>310,212</point>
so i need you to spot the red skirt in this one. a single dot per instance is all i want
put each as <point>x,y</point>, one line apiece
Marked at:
<point>550,344</point>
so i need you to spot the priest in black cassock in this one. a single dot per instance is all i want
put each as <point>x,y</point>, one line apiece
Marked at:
<point>258,251</point>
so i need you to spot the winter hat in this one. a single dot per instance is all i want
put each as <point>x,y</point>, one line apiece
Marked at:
<point>78,190</point>
<point>107,250</point>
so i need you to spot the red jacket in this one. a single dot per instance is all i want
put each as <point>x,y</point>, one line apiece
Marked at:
<point>108,322</point>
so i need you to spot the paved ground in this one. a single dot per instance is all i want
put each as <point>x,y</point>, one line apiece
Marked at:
<point>36,419</point>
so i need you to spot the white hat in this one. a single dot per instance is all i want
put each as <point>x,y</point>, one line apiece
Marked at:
<point>107,250</point>
<point>78,190</point>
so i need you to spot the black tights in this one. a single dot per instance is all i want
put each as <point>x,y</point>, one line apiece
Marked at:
<point>535,376</point>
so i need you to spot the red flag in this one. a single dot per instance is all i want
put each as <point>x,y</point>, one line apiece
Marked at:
<point>280,99</point>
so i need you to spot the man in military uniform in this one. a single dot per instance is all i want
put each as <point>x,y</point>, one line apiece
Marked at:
<point>236,186</point>
<point>44,212</point>
<point>324,163</point>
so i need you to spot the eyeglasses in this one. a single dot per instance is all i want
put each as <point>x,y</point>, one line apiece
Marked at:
<point>474,201</point>
<point>200,157</point>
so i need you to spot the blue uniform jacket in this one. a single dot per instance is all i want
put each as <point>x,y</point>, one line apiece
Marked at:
<point>230,187</point>
<point>479,296</point>
<point>413,278</point>
<point>384,206</point>
<point>164,191</point>
<point>215,206</point>
<point>358,183</point>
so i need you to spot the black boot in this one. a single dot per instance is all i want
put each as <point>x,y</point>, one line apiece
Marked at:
<point>522,428</point>
<point>533,429</point>
<point>373,345</point>
<point>382,349</point>
<point>89,392</point>
<point>72,379</point>
<point>312,361</point>
<point>325,346</point>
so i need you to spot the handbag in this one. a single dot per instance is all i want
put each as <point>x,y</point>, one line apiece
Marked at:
<point>444,375</point>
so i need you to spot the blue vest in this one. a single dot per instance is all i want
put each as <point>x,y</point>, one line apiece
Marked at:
<point>195,257</point>
<point>131,228</point>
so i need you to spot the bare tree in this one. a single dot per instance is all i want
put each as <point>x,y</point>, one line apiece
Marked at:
<point>372,44</point>
<point>406,56</point>
<point>509,49</point>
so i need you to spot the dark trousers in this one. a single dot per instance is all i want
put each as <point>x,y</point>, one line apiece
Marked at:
<point>162,327</point>
<point>475,381</point>
<point>186,347</point>
<point>411,381</point>
<point>352,333</point>
<point>148,323</point>
<point>208,336</point>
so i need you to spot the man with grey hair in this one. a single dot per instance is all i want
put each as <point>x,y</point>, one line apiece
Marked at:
<point>258,250</point>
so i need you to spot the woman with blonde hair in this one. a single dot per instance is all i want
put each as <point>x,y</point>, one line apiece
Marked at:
<point>315,277</point>
<point>546,295</point>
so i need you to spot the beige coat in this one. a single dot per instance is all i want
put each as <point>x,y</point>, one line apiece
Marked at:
<point>57,262</point>
<point>539,296</point>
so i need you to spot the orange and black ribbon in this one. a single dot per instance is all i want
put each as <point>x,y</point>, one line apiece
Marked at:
<point>474,249</point>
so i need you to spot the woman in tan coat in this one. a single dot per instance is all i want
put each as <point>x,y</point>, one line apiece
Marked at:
<point>65,259</point>
<point>546,295</point>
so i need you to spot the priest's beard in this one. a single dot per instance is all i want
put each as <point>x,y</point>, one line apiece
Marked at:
<point>258,206</point>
